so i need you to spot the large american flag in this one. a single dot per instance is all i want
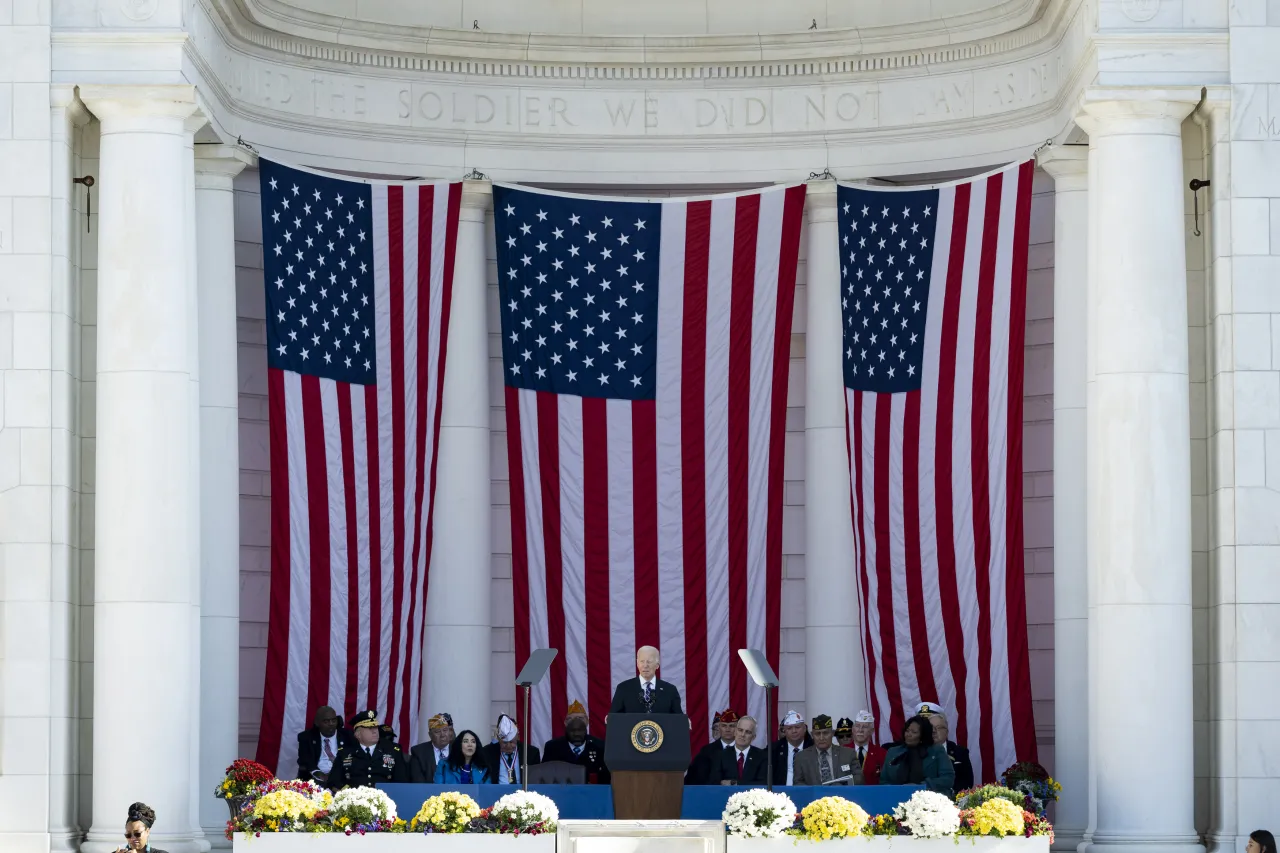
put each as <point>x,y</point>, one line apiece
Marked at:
<point>645,349</point>
<point>933,300</point>
<point>358,281</point>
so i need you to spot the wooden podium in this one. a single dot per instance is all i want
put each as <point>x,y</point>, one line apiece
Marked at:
<point>647,755</point>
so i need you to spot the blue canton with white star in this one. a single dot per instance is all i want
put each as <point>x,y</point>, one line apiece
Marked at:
<point>578,286</point>
<point>317,259</point>
<point>886,259</point>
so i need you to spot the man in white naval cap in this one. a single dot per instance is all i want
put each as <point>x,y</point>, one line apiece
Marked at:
<point>795,737</point>
<point>869,756</point>
<point>958,754</point>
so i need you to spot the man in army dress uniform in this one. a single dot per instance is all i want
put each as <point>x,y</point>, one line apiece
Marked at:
<point>371,760</point>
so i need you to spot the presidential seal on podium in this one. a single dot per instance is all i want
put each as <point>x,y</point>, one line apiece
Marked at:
<point>646,736</point>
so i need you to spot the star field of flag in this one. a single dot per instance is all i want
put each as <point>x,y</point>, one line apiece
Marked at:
<point>886,258</point>
<point>578,287</point>
<point>317,246</point>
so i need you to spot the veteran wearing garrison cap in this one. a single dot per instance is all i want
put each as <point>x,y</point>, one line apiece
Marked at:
<point>722,737</point>
<point>795,738</point>
<point>370,760</point>
<point>826,763</point>
<point>576,746</point>
<point>426,756</point>
<point>869,756</point>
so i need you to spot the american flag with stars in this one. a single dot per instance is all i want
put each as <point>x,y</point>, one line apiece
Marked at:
<point>644,348</point>
<point>358,278</point>
<point>933,296</point>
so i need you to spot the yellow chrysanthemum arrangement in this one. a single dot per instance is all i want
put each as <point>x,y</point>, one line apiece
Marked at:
<point>998,817</point>
<point>288,804</point>
<point>448,812</point>
<point>832,817</point>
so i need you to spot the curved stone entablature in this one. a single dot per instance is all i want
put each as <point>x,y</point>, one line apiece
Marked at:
<point>874,101</point>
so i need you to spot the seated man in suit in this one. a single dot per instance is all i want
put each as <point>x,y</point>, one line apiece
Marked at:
<point>795,737</point>
<point>578,747</point>
<point>370,760</point>
<point>825,762</point>
<point>722,731</point>
<point>425,757</point>
<point>507,755</point>
<point>744,764</point>
<point>646,694</point>
<point>869,756</point>
<point>318,746</point>
<point>958,754</point>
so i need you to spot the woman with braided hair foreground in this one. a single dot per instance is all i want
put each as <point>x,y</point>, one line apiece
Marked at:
<point>137,830</point>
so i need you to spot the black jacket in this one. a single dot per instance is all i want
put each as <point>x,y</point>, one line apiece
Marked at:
<point>779,748</point>
<point>629,698</point>
<point>493,758</point>
<point>357,769</point>
<point>753,772</point>
<point>422,762</point>
<point>699,772</point>
<point>592,757</point>
<point>310,749</point>
<point>959,756</point>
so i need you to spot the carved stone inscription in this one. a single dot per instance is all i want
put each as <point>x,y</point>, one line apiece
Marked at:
<point>522,109</point>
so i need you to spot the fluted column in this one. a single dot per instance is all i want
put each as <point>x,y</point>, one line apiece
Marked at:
<point>457,637</point>
<point>144,560</point>
<point>831,611</point>
<point>1139,511</point>
<point>215,167</point>
<point>1069,166</point>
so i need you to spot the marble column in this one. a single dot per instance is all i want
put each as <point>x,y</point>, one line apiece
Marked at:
<point>144,560</point>
<point>456,650</point>
<point>1139,512</point>
<point>1069,166</point>
<point>187,175</point>
<point>215,167</point>
<point>831,594</point>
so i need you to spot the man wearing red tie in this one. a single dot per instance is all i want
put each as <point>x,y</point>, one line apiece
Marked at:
<point>744,764</point>
<point>870,756</point>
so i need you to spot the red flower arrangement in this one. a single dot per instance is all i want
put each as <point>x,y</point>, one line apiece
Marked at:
<point>241,777</point>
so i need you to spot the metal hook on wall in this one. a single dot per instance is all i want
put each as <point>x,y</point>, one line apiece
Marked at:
<point>1196,185</point>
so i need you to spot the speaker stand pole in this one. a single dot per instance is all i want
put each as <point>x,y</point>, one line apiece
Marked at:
<point>524,770</point>
<point>768,737</point>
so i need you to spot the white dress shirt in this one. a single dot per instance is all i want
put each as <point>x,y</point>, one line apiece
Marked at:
<point>792,752</point>
<point>442,755</point>
<point>508,774</point>
<point>325,764</point>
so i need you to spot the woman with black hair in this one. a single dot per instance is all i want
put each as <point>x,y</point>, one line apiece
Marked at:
<point>1261,841</point>
<point>465,764</point>
<point>137,830</point>
<point>917,760</point>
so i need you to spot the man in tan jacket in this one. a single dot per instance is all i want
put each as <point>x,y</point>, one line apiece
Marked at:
<point>825,762</point>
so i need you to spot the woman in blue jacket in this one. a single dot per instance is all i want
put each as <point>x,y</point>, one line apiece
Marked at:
<point>465,764</point>
<point>917,760</point>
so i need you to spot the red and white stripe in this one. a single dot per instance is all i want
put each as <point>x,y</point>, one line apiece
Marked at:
<point>937,491</point>
<point>659,522</point>
<point>352,489</point>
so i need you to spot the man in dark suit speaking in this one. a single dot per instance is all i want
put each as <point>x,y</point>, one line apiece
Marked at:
<point>646,694</point>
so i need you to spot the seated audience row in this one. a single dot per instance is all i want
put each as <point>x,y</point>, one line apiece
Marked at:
<point>839,754</point>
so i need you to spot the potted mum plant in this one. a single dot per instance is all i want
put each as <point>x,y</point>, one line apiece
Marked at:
<point>240,779</point>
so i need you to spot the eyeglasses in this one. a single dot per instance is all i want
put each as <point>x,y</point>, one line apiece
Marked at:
<point>133,834</point>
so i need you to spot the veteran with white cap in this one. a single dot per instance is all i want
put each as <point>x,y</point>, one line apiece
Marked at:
<point>507,754</point>
<point>795,737</point>
<point>868,755</point>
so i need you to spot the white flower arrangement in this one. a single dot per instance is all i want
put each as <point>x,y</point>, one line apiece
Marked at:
<point>758,813</point>
<point>357,802</point>
<point>527,809</point>
<point>929,815</point>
